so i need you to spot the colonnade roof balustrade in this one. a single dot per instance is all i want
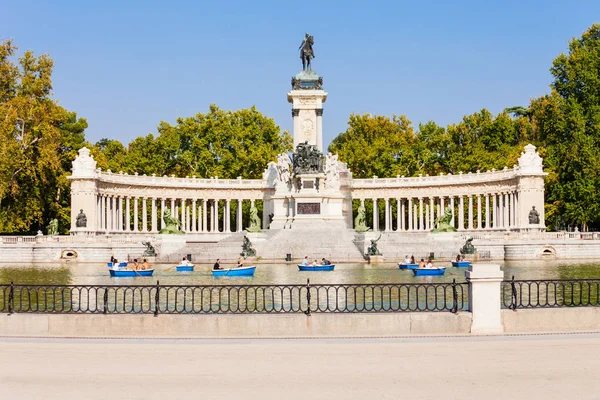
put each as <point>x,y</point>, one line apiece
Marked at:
<point>175,182</point>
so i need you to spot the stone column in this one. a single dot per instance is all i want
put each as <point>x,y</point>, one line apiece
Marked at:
<point>173,215</point>
<point>98,212</point>
<point>204,216</point>
<point>144,214</point>
<point>442,206</point>
<point>102,213</point>
<point>410,214</point>
<point>215,216</point>
<point>319,112</point>
<point>154,216</point>
<point>375,216</point>
<point>182,218</point>
<point>479,212</point>
<point>426,215</point>
<point>120,213</point>
<point>452,207</point>
<point>227,216</point>
<point>163,204</point>
<point>194,227</point>
<point>421,226</point>
<point>239,215</point>
<point>431,213</point>
<point>135,215</point>
<point>495,208</point>
<point>470,212</point>
<point>387,215</point>
<point>484,298</point>
<point>506,212</point>
<point>127,214</point>
<point>487,211</point>
<point>399,215</point>
<point>461,213</point>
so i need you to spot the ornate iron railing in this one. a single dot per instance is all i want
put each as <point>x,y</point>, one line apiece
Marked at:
<point>235,299</point>
<point>518,294</point>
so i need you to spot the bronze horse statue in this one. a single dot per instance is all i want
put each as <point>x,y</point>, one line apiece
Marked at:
<point>306,51</point>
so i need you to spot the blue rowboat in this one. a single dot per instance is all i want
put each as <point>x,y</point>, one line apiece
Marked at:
<point>242,271</point>
<point>428,271</point>
<point>122,273</point>
<point>185,268</point>
<point>121,264</point>
<point>407,266</point>
<point>461,264</point>
<point>329,267</point>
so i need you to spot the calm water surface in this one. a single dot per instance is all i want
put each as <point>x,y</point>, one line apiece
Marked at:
<point>97,274</point>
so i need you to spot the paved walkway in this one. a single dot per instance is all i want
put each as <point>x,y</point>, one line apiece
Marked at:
<point>520,367</point>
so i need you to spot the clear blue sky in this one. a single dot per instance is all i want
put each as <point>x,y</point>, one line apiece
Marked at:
<point>127,65</point>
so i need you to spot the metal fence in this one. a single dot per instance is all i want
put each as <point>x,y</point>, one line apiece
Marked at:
<point>240,299</point>
<point>517,294</point>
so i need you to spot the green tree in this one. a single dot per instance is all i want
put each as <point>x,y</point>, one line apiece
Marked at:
<point>39,141</point>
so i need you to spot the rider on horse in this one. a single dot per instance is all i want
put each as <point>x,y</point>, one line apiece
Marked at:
<point>306,51</point>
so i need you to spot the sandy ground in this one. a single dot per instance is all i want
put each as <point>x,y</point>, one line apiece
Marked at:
<point>506,367</point>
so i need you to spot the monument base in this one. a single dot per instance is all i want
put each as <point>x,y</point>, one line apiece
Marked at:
<point>375,259</point>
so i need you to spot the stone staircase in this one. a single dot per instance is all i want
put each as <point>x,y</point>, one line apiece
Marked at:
<point>330,242</point>
<point>396,245</point>
<point>228,250</point>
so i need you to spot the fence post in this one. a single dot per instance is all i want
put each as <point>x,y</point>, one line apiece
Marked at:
<point>513,294</point>
<point>308,296</point>
<point>156,298</point>
<point>105,300</point>
<point>11,298</point>
<point>454,309</point>
<point>484,297</point>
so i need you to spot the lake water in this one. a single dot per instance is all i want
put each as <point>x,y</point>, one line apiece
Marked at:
<point>97,274</point>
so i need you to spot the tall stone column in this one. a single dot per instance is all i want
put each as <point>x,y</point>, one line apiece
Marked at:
<point>410,214</point>
<point>120,213</point>
<point>163,207</point>
<point>461,213</point>
<point>487,211</point>
<point>442,209</point>
<point>452,222</point>
<point>470,212</point>
<point>226,217</point>
<point>506,211</point>
<point>204,216</point>
<point>375,216</point>
<point>239,215</point>
<point>136,227</point>
<point>319,114</point>
<point>421,226</point>
<point>479,212</point>
<point>111,214</point>
<point>426,215</point>
<point>102,213</point>
<point>173,209</point>
<point>215,217</point>
<point>431,213</point>
<point>144,214</point>
<point>154,216</point>
<point>182,218</point>
<point>387,214</point>
<point>194,227</point>
<point>399,215</point>
<point>495,208</point>
<point>127,214</point>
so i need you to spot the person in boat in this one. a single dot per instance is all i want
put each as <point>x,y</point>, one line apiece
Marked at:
<point>240,263</point>
<point>429,263</point>
<point>136,265</point>
<point>457,258</point>
<point>145,265</point>
<point>325,262</point>
<point>408,260</point>
<point>314,263</point>
<point>217,264</point>
<point>412,259</point>
<point>305,261</point>
<point>462,258</point>
<point>422,263</point>
<point>184,262</point>
<point>113,259</point>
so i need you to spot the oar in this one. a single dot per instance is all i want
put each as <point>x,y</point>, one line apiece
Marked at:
<point>174,266</point>
<point>135,271</point>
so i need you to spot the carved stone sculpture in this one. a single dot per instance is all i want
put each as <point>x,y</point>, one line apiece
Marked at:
<point>373,250</point>
<point>332,173</point>
<point>443,222</point>
<point>284,164</point>
<point>81,220</point>
<point>247,249</point>
<point>468,247</point>
<point>171,225</point>
<point>52,227</point>
<point>534,216</point>
<point>307,159</point>
<point>254,220</point>
<point>150,250</point>
<point>360,222</point>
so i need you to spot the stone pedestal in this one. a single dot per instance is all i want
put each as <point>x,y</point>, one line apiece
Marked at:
<point>307,98</point>
<point>375,259</point>
<point>484,297</point>
<point>170,244</point>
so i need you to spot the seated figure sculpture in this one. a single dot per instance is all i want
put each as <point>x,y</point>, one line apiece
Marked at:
<point>254,220</point>
<point>360,222</point>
